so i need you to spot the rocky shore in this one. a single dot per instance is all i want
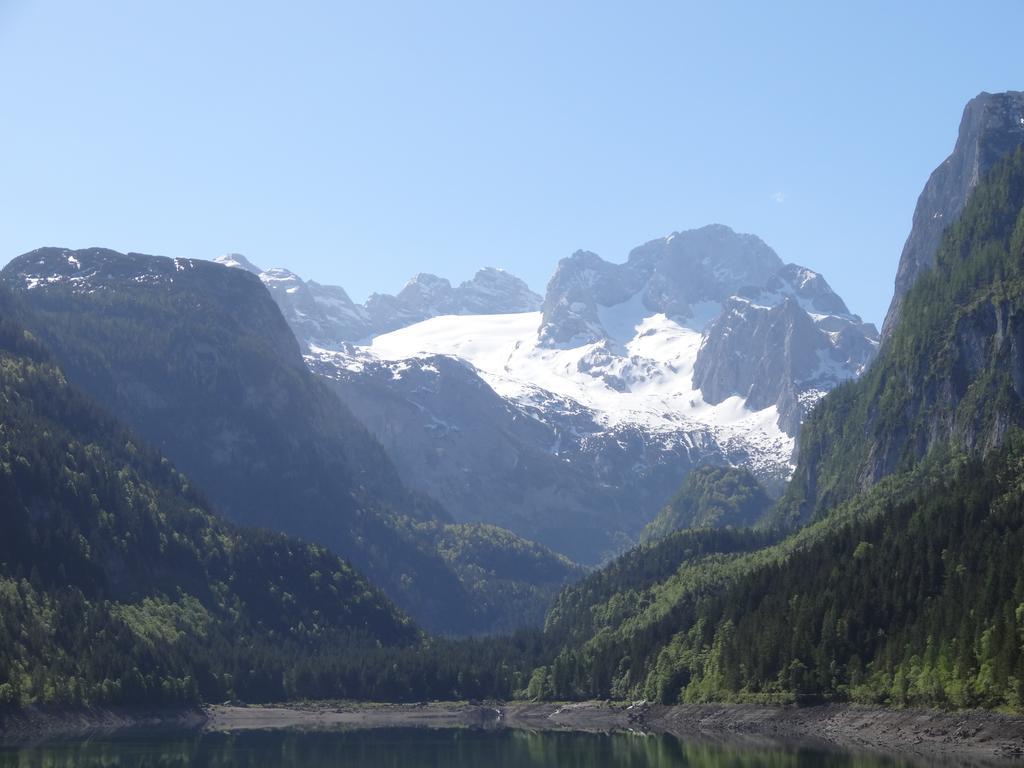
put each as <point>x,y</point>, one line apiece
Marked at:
<point>928,737</point>
<point>952,738</point>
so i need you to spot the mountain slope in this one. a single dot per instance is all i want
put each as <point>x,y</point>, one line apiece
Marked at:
<point>911,478</point>
<point>867,605</point>
<point>118,585</point>
<point>574,425</point>
<point>456,439</point>
<point>198,359</point>
<point>952,371</point>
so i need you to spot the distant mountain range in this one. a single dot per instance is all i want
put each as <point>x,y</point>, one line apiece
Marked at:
<point>572,419</point>
<point>325,315</point>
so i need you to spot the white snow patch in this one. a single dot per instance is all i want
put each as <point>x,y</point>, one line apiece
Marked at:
<point>651,364</point>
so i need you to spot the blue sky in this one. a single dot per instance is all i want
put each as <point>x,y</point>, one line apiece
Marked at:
<point>359,143</point>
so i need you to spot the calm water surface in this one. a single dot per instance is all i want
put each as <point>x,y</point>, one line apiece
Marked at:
<point>415,748</point>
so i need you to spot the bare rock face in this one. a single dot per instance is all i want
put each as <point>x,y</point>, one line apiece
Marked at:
<point>774,333</point>
<point>672,275</point>
<point>701,265</point>
<point>316,313</point>
<point>494,292</point>
<point>759,353</point>
<point>581,283</point>
<point>426,295</point>
<point>992,126</point>
<point>784,345</point>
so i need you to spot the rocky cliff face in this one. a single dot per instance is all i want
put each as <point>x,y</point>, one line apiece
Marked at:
<point>950,379</point>
<point>992,126</point>
<point>673,275</point>
<point>489,460</point>
<point>493,292</point>
<point>784,345</point>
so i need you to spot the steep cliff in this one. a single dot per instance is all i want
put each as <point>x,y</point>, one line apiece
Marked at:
<point>950,377</point>
<point>992,126</point>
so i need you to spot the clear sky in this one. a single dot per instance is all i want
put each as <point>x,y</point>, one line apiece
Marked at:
<point>360,142</point>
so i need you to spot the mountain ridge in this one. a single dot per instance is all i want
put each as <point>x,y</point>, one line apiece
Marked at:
<point>325,315</point>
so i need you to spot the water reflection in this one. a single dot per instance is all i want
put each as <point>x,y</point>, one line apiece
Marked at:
<point>417,748</point>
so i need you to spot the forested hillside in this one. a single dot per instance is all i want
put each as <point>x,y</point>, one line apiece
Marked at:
<point>116,582</point>
<point>864,606</point>
<point>712,497</point>
<point>119,586</point>
<point>196,358</point>
<point>951,374</point>
<point>909,587</point>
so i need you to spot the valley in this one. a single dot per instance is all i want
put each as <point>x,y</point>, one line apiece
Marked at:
<point>682,503</point>
<point>575,423</point>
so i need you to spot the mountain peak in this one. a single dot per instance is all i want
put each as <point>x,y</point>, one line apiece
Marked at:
<point>675,275</point>
<point>494,291</point>
<point>238,261</point>
<point>425,279</point>
<point>991,128</point>
<point>773,333</point>
<point>424,295</point>
<point>730,257</point>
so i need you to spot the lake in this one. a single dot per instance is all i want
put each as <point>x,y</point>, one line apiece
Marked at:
<point>416,748</point>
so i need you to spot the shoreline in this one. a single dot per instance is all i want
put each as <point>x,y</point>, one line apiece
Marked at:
<point>956,738</point>
<point>973,737</point>
<point>34,724</point>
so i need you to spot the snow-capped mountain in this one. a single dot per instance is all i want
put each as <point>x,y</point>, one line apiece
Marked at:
<point>768,333</point>
<point>573,420</point>
<point>784,345</point>
<point>677,276</point>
